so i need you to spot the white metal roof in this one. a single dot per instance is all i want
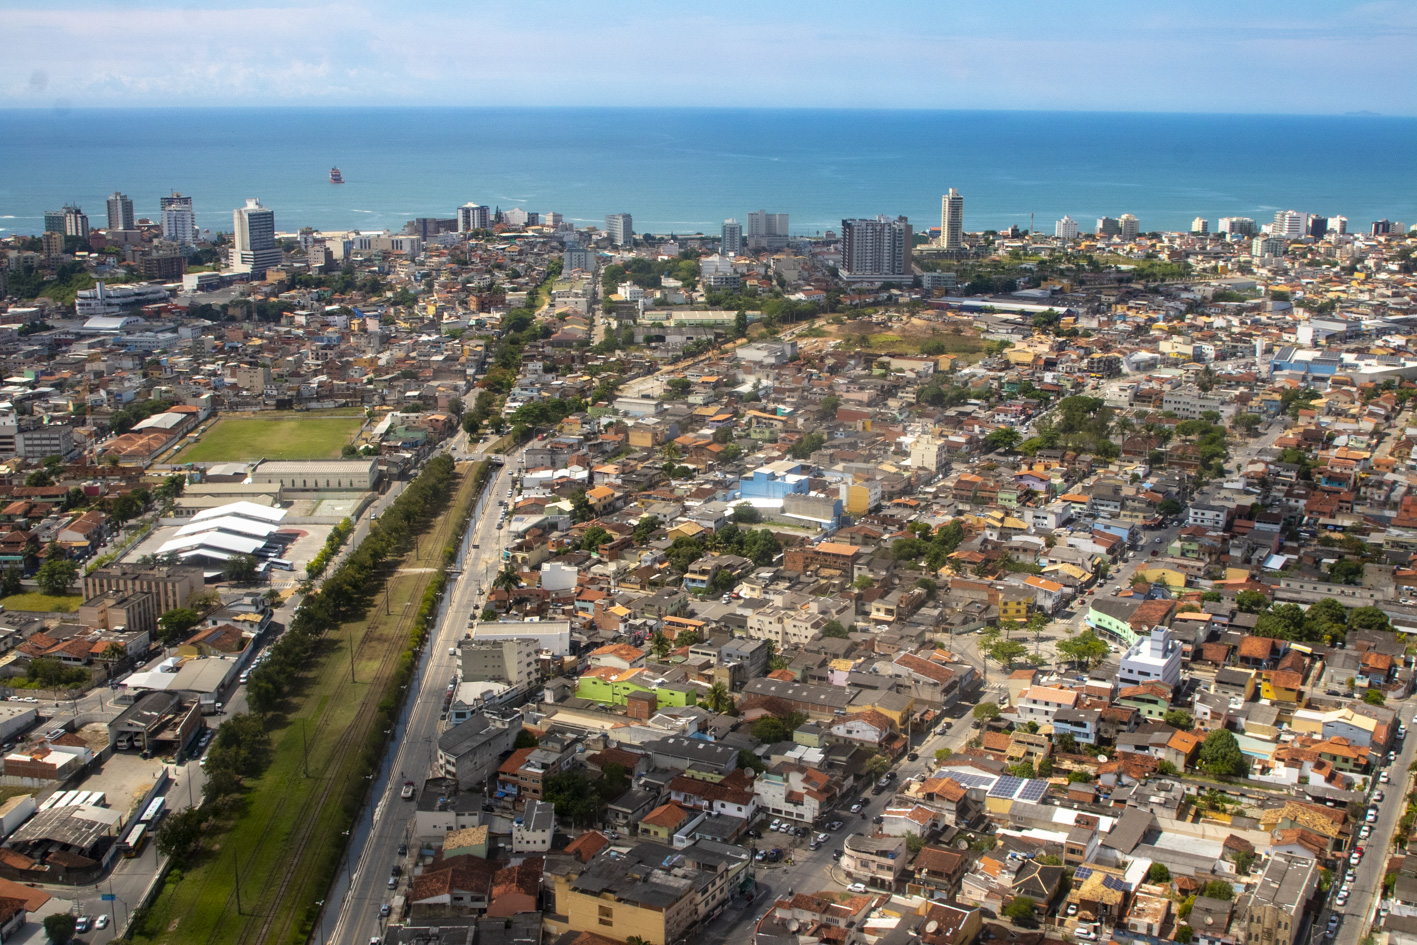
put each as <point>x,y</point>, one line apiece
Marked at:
<point>251,510</point>
<point>229,523</point>
<point>220,541</point>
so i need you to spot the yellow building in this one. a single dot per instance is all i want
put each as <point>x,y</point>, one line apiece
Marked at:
<point>862,497</point>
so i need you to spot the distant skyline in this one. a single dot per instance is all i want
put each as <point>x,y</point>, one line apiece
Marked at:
<point>1216,56</point>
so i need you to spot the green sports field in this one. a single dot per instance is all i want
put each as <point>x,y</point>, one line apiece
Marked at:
<point>307,435</point>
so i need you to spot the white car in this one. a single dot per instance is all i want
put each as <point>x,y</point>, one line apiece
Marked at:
<point>857,888</point>
<point>1384,778</point>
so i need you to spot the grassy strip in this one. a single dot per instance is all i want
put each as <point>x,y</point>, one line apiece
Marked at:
<point>265,829</point>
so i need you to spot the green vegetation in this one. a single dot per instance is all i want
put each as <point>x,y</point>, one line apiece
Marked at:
<point>310,434</point>
<point>272,809</point>
<point>1324,622</point>
<point>336,539</point>
<point>1220,755</point>
<point>43,603</point>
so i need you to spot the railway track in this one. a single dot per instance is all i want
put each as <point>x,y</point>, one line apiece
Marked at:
<point>274,922</point>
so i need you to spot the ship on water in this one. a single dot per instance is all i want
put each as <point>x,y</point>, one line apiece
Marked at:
<point>335,177</point>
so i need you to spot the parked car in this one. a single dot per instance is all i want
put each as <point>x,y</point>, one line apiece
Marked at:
<point>407,792</point>
<point>1072,908</point>
<point>834,825</point>
<point>857,887</point>
<point>856,808</point>
<point>775,824</point>
<point>1384,778</point>
<point>384,911</point>
<point>836,854</point>
<point>913,756</point>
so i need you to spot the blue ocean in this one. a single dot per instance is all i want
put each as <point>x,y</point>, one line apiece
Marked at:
<point>685,170</point>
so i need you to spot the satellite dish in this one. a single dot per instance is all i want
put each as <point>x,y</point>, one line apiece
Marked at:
<point>1102,758</point>
<point>932,927</point>
<point>793,925</point>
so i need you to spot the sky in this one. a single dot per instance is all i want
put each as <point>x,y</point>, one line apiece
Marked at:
<point>1251,56</point>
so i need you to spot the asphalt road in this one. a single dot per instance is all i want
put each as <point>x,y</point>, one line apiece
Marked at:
<point>1357,914</point>
<point>374,849</point>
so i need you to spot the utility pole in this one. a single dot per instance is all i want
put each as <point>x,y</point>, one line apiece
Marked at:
<point>305,746</point>
<point>349,635</point>
<point>236,868</point>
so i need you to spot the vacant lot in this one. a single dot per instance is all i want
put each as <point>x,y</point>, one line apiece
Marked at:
<point>43,603</point>
<point>308,435</point>
<point>910,337</point>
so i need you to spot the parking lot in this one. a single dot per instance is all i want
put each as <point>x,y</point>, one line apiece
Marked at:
<point>125,777</point>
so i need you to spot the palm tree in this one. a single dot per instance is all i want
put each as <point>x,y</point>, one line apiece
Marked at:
<point>719,699</point>
<point>670,451</point>
<point>660,644</point>
<point>507,579</point>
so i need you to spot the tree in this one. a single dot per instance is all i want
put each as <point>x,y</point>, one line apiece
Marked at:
<point>718,698</point>
<point>986,711</point>
<point>60,927</point>
<point>833,628</point>
<point>56,575</point>
<point>581,509</point>
<point>772,728</point>
<point>10,582</point>
<point>1045,767</point>
<point>1178,718</point>
<point>660,645</point>
<point>240,569</point>
<point>1251,602</point>
<point>1007,652</point>
<point>740,324</point>
<point>1166,768</point>
<point>1220,755</point>
<point>592,538</point>
<point>745,514</point>
<point>1368,618</point>
<point>876,767</point>
<point>525,739</point>
<point>1020,910</point>
<point>180,834</point>
<point>1218,889</point>
<point>507,579</point>
<point>1243,861</point>
<point>1158,873</point>
<point>1084,648</point>
<point>1003,439</point>
<point>1374,697</point>
<point>176,623</point>
<point>1168,507</point>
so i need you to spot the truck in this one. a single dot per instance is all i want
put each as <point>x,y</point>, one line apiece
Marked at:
<point>209,703</point>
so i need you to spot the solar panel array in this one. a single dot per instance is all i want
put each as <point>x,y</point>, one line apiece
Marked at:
<point>1007,787</point>
<point>1081,873</point>
<point>1033,791</point>
<point>1114,882</point>
<point>969,779</point>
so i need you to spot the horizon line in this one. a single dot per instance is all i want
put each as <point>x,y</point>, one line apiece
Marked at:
<point>68,107</point>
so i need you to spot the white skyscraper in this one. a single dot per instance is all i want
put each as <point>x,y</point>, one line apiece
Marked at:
<point>1131,226</point>
<point>179,222</point>
<point>254,248</point>
<point>732,237</point>
<point>473,216</point>
<point>120,212</point>
<point>1338,225</point>
<point>1290,224</point>
<point>1200,226</point>
<point>621,227</point>
<point>952,221</point>
<point>1066,228</point>
<point>1238,226</point>
<point>767,230</point>
<point>1106,226</point>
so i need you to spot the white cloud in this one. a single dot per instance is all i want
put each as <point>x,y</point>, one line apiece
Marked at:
<point>1301,56</point>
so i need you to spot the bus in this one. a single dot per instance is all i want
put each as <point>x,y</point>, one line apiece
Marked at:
<point>154,812</point>
<point>132,844</point>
